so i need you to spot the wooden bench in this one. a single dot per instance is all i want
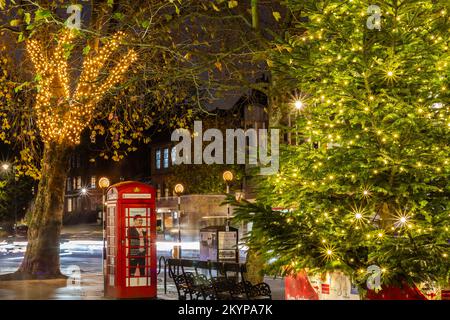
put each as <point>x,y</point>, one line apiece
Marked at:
<point>221,286</point>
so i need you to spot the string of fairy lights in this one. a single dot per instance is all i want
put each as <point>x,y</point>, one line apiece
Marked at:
<point>361,217</point>
<point>61,114</point>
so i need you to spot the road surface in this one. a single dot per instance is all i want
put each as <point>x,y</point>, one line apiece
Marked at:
<point>81,253</point>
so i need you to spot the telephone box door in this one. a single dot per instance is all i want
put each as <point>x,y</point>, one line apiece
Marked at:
<point>138,246</point>
<point>131,241</point>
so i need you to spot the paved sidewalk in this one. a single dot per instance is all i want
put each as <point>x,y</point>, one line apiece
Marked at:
<point>81,247</point>
<point>89,288</point>
<point>60,289</point>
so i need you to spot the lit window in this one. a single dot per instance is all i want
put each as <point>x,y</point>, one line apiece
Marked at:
<point>166,158</point>
<point>78,182</point>
<point>174,155</point>
<point>69,184</point>
<point>158,159</point>
<point>93,182</point>
<point>69,205</point>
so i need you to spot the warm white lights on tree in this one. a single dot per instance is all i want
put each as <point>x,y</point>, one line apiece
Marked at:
<point>61,114</point>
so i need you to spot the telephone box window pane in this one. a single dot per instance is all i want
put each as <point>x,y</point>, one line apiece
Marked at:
<point>158,159</point>
<point>149,247</point>
<point>111,245</point>
<point>137,224</point>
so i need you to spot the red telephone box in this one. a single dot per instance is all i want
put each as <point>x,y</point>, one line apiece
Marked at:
<point>130,241</point>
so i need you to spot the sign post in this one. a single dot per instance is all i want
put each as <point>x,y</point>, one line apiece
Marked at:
<point>219,244</point>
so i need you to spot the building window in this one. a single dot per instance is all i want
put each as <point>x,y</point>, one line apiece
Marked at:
<point>69,184</point>
<point>93,182</point>
<point>78,183</point>
<point>173,155</point>
<point>69,205</point>
<point>79,205</point>
<point>166,158</point>
<point>158,159</point>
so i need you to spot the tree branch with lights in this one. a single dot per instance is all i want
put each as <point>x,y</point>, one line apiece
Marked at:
<point>61,115</point>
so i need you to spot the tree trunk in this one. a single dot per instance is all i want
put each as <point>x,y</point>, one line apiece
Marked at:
<point>255,266</point>
<point>385,214</point>
<point>41,259</point>
<point>255,15</point>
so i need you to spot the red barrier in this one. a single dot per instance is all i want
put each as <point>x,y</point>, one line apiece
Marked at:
<point>405,292</point>
<point>299,288</point>
<point>304,287</point>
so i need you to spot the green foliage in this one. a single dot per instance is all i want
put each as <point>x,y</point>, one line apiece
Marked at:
<point>368,184</point>
<point>204,178</point>
<point>188,57</point>
<point>15,196</point>
<point>2,197</point>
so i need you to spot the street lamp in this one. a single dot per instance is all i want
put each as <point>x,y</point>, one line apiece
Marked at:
<point>84,193</point>
<point>228,178</point>
<point>299,104</point>
<point>103,183</point>
<point>6,167</point>
<point>178,189</point>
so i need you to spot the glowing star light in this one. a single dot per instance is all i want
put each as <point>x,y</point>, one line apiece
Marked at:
<point>359,215</point>
<point>402,219</point>
<point>391,72</point>
<point>328,252</point>
<point>298,104</point>
<point>390,76</point>
<point>298,101</point>
<point>366,192</point>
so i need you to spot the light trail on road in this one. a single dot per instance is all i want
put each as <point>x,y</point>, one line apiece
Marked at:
<point>84,246</point>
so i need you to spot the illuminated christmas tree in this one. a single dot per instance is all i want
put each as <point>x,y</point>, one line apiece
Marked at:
<point>368,181</point>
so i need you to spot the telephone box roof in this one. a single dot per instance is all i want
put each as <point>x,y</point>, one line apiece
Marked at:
<point>130,187</point>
